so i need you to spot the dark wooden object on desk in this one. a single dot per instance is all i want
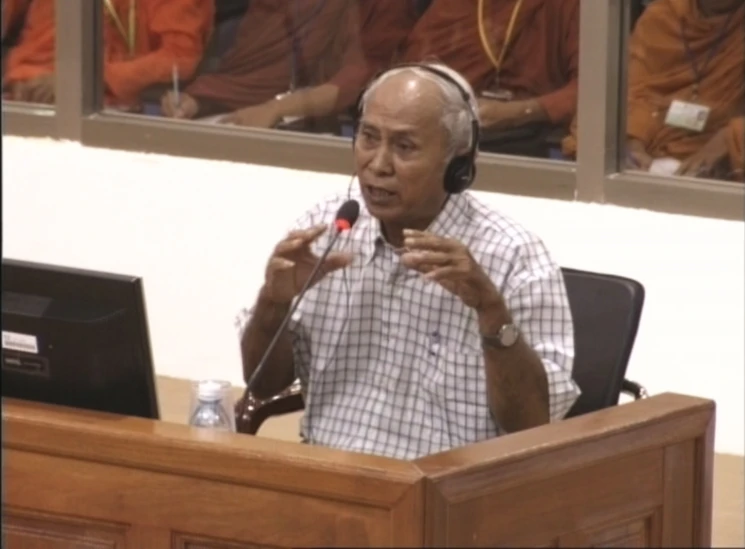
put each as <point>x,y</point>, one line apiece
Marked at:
<point>638,475</point>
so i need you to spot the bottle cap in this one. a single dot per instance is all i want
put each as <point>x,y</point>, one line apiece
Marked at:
<point>210,391</point>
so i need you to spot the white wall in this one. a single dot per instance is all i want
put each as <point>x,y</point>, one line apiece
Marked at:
<point>199,233</point>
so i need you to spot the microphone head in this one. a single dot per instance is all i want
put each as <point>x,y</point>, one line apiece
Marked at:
<point>347,215</point>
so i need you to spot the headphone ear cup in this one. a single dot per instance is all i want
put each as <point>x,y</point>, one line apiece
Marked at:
<point>459,174</point>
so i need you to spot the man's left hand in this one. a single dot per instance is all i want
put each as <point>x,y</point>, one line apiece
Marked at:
<point>450,264</point>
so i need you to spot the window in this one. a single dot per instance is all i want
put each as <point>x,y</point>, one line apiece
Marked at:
<point>276,82</point>
<point>300,65</point>
<point>28,51</point>
<point>685,93</point>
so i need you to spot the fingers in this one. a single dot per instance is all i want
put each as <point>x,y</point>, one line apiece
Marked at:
<point>308,235</point>
<point>689,168</point>
<point>167,107</point>
<point>278,264</point>
<point>441,274</point>
<point>423,261</point>
<point>299,239</point>
<point>45,93</point>
<point>420,240</point>
<point>335,261</point>
<point>184,107</point>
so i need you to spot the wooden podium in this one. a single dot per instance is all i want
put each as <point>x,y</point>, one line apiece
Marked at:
<point>637,475</point>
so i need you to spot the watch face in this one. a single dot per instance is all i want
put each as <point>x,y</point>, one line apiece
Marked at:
<point>508,335</point>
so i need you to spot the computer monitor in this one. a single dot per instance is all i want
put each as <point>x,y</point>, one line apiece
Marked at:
<point>76,338</point>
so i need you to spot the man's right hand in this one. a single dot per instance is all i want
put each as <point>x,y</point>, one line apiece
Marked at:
<point>292,262</point>
<point>187,107</point>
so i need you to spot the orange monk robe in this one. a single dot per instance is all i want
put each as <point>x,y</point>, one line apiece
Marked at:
<point>736,146</point>
<point>380,30</point>
<point>542,60</point>
<point>168,33</point>
<point>659,72</point>
<point>341,42</point>
<point>12,14</point>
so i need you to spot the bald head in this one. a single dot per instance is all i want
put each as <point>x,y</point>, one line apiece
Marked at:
<point>429,99</point>
<point>410,90</point>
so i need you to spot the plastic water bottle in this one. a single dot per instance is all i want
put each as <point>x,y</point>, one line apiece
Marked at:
<point>209,410</point>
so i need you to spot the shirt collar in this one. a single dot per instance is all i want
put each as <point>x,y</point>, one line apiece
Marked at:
<point>445,224</point>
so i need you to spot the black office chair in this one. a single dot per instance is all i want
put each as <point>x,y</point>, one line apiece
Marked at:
<point>606,310</point>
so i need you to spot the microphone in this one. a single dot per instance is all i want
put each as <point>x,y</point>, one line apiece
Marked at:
<point>345,219</point>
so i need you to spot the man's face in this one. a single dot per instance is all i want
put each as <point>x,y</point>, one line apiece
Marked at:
<point>401,151</point>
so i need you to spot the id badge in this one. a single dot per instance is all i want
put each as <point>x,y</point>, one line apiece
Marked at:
<point>689,116</point>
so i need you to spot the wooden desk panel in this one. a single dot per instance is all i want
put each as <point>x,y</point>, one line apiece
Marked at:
<point>140,483</point>
<point>637,475</point>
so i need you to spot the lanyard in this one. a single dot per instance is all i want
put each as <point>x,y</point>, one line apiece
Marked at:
<point>716,45</point>
<point>130,33</point>
<point>485,41</point>
<point>296,40</point>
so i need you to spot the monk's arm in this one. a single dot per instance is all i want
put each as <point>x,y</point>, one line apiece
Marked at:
<point>183,28</point>
<point>559,106</point>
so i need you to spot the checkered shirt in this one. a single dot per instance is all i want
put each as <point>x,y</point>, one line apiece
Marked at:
<point>392,364</point>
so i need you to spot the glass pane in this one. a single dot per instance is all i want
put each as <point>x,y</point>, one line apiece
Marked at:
<point>686,90</point>
<point>28,51</point>
<point>522,59</point>
<point>301,65</point>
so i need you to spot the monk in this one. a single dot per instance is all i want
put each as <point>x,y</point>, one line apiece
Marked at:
<point>709,82</point>
<point>525,72</point>
<point>164,34</point>
<point>297,59</point>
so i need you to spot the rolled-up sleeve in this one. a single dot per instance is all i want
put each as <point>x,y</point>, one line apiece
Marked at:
<point>538,301</point>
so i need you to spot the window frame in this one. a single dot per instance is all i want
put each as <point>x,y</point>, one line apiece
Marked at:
<point>594,178</point>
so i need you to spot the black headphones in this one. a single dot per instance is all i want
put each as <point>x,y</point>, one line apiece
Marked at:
<point>461,170</point>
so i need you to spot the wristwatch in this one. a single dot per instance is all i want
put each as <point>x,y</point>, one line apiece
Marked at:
<point>506,337</point>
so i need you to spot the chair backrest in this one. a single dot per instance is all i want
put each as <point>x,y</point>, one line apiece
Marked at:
<point>606,310</point>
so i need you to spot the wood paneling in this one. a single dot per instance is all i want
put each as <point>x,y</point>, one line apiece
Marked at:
<point>633,476</point>
<point>630,482</point>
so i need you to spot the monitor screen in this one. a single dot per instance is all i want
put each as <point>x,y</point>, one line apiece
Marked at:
<point>76,338</point>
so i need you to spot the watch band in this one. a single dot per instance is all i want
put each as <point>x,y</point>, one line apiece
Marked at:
<point>507,337</point>
<point>492,341</point>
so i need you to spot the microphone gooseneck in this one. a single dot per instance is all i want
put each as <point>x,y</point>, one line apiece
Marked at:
<point>345,219</point>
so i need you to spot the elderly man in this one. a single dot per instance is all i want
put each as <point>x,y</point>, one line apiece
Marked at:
<point>440,322</point>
